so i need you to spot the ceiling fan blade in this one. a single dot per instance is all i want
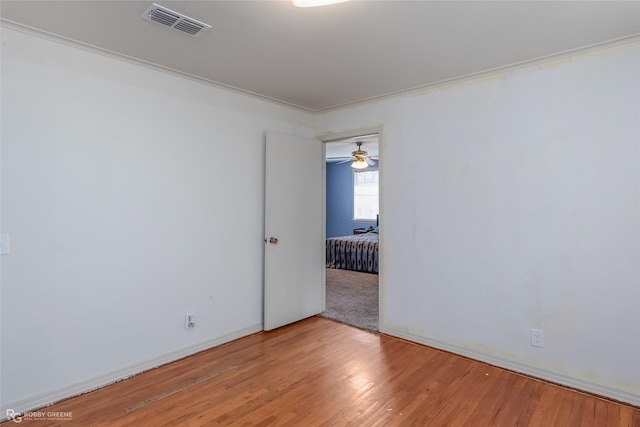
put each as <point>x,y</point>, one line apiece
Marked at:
<point>344,161</point>
<point>370,161</point>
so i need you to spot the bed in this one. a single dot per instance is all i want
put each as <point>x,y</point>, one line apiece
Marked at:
<point>358,252</point>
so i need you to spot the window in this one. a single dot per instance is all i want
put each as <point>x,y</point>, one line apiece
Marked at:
<point>365,194</point>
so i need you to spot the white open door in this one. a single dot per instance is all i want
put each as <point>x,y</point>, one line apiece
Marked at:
<point>294,244</point>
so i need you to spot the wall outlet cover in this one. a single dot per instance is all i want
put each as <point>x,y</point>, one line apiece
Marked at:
<point>537,338</point>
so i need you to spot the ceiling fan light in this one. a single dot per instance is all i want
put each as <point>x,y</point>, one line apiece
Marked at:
<point>314,3</point>
<point>359,164</point>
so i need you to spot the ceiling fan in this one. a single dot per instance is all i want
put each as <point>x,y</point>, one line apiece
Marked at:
<point>359,158</point>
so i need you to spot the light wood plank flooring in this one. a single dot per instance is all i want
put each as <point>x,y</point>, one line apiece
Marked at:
<point>321,373</point>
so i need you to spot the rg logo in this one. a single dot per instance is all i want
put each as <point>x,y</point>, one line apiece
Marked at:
<point>16,417</point>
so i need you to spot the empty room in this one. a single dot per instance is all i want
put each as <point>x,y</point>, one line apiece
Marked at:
<point>164,222</point>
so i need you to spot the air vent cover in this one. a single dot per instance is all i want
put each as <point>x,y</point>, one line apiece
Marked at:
<point>175,20</point>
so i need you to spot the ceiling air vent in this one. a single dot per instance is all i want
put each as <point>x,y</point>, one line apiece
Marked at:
<point>175,20</point>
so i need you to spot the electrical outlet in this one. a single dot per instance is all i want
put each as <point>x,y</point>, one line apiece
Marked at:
<point>189,320</point>
<point>537,338</point>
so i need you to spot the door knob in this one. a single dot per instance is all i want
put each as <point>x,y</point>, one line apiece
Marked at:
<point>273,240</point>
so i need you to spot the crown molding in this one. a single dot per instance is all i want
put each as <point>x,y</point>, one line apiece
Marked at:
<point>632,38</point>
<point>529,63</point>
<point>5,23</point>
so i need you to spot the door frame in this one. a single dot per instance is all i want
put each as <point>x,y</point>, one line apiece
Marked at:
<point>337,136</point>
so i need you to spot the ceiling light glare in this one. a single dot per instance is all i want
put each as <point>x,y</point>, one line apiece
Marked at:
<point>359,164</point>
<point>314,3</point>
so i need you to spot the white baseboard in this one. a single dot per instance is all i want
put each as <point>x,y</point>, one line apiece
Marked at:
<point>555,377</point>
<point>49,398</point>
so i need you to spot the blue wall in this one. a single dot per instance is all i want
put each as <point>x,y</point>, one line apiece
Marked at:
<point>340,201</point>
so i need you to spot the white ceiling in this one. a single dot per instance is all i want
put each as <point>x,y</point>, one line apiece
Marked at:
<point>319,58</point>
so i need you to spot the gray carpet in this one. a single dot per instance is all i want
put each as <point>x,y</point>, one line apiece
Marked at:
<point>352,298</point>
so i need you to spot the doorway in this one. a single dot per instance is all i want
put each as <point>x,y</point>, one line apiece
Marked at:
<point>352,230</point>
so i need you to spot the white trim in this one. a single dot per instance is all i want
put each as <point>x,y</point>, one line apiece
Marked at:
<point>517,65</point>
<point>338,136</point>
<point>140,62</point>
<point>51,397</point>
<point>323,225</point>
<point>382,277</point>
<point>541,373</point>
<point>487,73</point>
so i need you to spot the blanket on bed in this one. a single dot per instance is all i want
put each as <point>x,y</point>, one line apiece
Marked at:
<point>358,252</point>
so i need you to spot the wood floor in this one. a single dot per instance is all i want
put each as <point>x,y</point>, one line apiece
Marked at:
<point>321,373</point>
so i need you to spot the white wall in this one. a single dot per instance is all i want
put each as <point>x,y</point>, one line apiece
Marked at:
<point>131,197</point>
<point>523,212</point>
<point>126,209</point>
